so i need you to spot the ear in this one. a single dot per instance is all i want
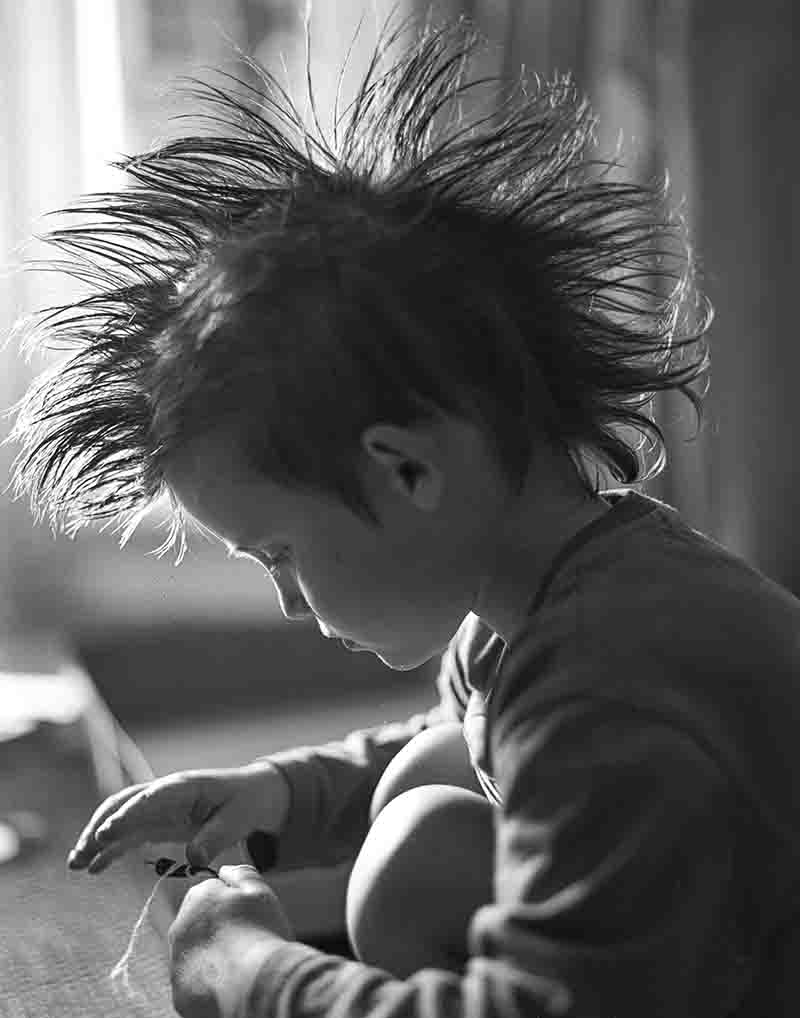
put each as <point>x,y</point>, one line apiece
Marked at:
<point>407,458</point>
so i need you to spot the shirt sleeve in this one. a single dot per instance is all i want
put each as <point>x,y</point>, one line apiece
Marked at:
<point>331,785</point>
<point>614,886</point>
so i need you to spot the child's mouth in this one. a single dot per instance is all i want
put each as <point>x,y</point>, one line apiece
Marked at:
<point>350,645</point>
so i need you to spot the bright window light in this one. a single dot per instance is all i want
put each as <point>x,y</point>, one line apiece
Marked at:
<point>100,92</point>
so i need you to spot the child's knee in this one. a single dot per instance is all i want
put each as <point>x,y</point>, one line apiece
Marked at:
<point>425,867</point>
<point>437,756</point>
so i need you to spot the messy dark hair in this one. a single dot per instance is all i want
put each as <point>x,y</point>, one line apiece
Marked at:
<point>296,288</point>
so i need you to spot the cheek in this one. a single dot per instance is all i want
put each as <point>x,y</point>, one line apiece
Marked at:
<point>358,584</point>
<point>361,595</point>
<point>327,581</point>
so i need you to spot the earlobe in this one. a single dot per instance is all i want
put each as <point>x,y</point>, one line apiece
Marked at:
<point>428,491</point>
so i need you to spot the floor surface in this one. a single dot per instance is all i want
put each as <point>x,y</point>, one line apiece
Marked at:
<point>233,740</point>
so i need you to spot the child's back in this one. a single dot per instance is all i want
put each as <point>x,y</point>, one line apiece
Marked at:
<point>656,690</point>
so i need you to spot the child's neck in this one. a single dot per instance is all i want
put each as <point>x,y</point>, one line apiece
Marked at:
<point>536,525</point>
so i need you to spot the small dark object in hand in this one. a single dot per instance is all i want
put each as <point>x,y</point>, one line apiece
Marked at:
<point>263,850</point>
<point>163,864</point>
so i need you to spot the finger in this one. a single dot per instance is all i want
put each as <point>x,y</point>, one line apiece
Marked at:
<point>103,859</point>
<point>212,838</point>
<point>119,846</point>
<point>86,845</point>
<point>200,876</point>
<point>150,815</point>
<point>199,855</point>
<point>242,877</point>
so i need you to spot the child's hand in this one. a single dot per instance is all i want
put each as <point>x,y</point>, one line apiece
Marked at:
<point>209,809</point>
<point>220,940</point>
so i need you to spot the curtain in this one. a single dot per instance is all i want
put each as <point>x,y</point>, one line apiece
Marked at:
<point>39,171</point>
<point>745,92</point>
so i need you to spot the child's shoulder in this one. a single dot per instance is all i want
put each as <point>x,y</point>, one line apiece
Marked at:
<point>644,601</point>
<point>639,592</point>
<point>654,622</point>
<point>648,552</point>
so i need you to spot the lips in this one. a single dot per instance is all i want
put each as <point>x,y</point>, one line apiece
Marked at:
<point>350,645</point>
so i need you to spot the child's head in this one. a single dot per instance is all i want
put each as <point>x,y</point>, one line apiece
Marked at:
<point>289,292</point>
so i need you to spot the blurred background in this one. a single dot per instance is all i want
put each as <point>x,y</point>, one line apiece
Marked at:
<point>705,89</point>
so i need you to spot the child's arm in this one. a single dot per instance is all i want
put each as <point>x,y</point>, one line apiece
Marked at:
<point>331,789</point>
<point>617,887</point>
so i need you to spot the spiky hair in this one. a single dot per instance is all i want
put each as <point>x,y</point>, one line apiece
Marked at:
<point>296,288</point>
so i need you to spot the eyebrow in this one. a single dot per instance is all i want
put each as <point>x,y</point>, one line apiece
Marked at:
<point>243,551</point>
<point>240,550</point>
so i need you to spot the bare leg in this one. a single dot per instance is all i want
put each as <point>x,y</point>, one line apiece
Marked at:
<point>437,756</point>
<point>427,862</point>
<point>315,898</point>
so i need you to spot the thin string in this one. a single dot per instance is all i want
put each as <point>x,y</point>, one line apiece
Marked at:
<point>120,974</point>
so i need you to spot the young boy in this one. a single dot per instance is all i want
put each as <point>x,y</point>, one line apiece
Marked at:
<point>389,371</point>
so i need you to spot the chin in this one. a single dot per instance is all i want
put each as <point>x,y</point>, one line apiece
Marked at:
<point>399,661</point>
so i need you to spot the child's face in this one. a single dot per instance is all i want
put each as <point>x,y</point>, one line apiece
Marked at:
<point>400,590</point>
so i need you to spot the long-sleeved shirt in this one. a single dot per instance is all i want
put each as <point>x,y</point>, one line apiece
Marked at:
<point>641,736</point>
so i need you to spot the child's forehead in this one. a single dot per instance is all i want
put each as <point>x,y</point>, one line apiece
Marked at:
<point>215,485</point>
<point>218,488</point>
<point>206,466</point>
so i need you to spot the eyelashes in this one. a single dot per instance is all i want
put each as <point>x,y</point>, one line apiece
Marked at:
<point>274,563</point>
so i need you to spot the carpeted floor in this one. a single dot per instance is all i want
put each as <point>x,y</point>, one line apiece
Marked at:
<point>233,739</point>
<point>61,933</point>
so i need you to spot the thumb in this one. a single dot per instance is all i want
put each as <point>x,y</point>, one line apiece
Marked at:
<point>243,877</point>
<point>207,844</point>
<point>198,855</point>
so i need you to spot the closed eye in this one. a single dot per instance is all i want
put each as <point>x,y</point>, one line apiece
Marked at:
<point>272,563</point>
